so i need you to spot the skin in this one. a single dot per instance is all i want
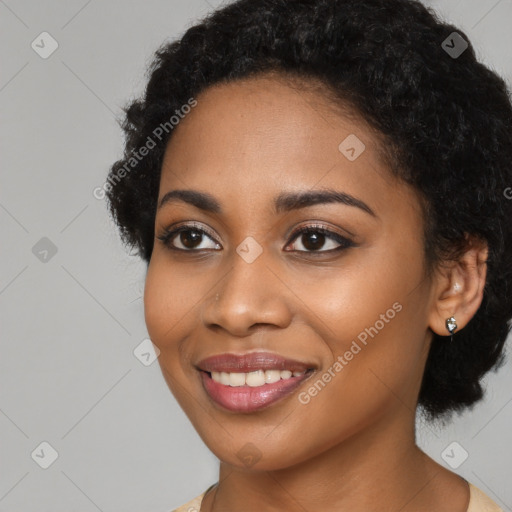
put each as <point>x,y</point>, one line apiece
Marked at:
<point>352,447</point>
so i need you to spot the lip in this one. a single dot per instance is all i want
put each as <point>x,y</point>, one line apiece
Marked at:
<point>247,399</point>
<point>250,362</point>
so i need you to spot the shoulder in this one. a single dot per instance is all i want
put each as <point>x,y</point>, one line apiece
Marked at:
<point>479,501</point>
<point>192,506</point>
<point>195,504</point>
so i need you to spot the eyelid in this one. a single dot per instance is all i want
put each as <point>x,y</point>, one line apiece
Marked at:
<point>190,225</point>
<point>312,225</point>
<point>343,241</point>
<point>341,232</point>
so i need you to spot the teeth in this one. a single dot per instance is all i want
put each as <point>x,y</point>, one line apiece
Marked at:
<point>272,376</point>
<point>253,379</point>
<point>236,379</point>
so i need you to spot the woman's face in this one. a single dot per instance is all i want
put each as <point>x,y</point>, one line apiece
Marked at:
<point>348,305</point>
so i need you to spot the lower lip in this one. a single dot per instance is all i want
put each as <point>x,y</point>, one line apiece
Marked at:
<point>247,398</point>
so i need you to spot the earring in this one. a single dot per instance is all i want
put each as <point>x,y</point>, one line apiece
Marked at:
<point>451,325</point>
<point>217,297</point>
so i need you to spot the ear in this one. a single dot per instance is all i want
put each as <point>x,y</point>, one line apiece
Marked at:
<point>458,287</point>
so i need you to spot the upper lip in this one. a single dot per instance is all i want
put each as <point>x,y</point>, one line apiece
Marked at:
<point>249,362</point>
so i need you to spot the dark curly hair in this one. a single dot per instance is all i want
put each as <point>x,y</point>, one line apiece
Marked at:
<point>446,120</point>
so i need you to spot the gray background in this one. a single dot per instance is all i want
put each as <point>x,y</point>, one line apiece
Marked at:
<point>70,323</point>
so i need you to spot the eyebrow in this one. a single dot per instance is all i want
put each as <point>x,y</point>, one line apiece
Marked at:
<point>284,202</point>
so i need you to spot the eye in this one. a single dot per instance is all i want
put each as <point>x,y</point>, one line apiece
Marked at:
<point>314,237</point>
<point>189,236</point>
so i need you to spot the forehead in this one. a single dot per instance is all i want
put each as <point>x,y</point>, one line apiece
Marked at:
<point>248,140</point>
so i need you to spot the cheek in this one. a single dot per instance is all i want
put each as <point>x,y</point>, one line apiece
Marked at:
<point>374,319</point>
<point>169,303</point>
<point>158,307</point>
<point>165,312</point>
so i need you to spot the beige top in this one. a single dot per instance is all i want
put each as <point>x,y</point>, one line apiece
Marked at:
<point>478,502</point>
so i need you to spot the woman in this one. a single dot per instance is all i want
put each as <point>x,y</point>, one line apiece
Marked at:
<point>319,190</point>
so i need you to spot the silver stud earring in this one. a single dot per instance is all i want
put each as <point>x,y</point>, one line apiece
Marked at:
<point>451,325</point>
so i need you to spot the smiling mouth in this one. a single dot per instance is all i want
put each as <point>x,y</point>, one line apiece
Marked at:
<point>251,381</point>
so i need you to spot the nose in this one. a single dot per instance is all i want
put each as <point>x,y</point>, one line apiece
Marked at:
<point>250,295</point>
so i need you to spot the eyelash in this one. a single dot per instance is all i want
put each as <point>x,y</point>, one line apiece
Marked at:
<point>167,236</point>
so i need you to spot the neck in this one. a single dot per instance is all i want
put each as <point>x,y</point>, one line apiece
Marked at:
<point>379,468</point>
